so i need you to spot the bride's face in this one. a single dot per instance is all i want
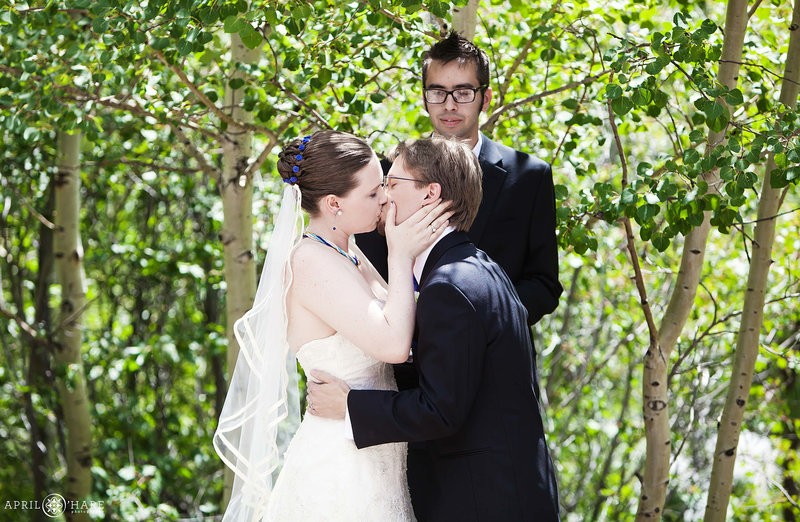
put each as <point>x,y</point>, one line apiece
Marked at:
<point>361,208</point>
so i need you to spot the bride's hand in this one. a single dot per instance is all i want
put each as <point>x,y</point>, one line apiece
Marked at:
<point>418,232</point>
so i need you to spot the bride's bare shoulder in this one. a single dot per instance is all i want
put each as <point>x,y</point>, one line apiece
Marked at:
<point>313,262</point>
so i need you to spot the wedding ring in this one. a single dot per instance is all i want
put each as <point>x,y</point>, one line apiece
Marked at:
<point>433,227</point>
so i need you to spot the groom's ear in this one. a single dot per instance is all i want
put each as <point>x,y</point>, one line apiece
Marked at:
<point>434,192</point>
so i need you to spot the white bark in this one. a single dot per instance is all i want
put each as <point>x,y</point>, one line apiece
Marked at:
<point>655,395</point>
<point>69,275</point>
<point>465,19</point>
<point>236,189</point>
<point>752,315</point>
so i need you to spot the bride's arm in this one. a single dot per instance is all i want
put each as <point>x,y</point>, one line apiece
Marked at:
<point>326,284</point>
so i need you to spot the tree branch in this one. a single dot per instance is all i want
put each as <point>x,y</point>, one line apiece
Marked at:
<point>137,163</point>
<point>193,151</point>
<point>298,100</point>
<point>27,328</point>
<point>22,199</point>
<point>516,103</point>
<point>207,102</point>
<point>637,270</point>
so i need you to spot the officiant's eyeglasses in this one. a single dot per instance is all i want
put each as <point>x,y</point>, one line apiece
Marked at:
<point>386,179</point>
<point>460,95</point>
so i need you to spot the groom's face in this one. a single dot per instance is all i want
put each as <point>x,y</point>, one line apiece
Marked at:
<point>407,195</point>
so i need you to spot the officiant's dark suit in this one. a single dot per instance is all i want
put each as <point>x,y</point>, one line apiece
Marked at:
<point>515,225</point>
<point>485,456</point>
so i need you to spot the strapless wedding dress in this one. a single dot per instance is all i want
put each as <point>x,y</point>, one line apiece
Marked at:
<point>324,476</point>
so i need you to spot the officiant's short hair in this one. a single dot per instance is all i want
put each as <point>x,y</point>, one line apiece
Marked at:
<point>451,163</point>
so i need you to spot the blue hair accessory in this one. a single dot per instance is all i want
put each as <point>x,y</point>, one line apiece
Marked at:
<point>298,157</point>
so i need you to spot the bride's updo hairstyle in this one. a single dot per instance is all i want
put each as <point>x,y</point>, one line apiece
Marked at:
<point>324,163</point>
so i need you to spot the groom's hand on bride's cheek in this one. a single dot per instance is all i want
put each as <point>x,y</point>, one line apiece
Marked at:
<point>327,395</point>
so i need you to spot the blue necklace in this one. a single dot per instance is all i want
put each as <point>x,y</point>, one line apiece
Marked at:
<point>353,258</point>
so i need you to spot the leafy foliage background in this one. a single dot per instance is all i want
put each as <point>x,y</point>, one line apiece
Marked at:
<point>145,82</point>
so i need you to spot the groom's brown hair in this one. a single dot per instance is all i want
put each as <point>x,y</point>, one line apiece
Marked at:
<point>452,164</point>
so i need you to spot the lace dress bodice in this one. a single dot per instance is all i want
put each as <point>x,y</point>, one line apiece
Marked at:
<point>341,358</point>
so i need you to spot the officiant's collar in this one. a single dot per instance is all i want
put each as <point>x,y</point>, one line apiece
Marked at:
<point>477,148</point>
<point>419,262</point>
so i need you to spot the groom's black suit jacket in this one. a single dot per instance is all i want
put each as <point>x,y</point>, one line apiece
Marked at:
<point>485,457</point>
<point>515,225</point>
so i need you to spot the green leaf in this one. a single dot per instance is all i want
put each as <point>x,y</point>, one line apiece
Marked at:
<point>622,106</point>
<point>734,97</point>
<point>708,27</point>
<point>292,62</point>
<point>719,123</point>
<point>696,136</point>
<point>691,156</point>
<point>185,47</point>
<point>777,179</point>
<point>780,160</point>
<point>160,43</point>
<point>646,212</point>
<point>660,242</point>
<point>613,91</point>
<point>628,196</point>
<point>250,37</point>
<point>644,169</point>
<point>656,39</point>
<point>641,96</point>
<point>236,83</point>
<point>570,103</point>
<point>30,134</point>
<point>561,192</point>
<point>233,24</point>
<point>100,25</point>
<point>713,110</point>
<point>660,98</point>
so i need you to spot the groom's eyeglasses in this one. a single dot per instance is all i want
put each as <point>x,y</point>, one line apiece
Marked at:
<point>386,179</point>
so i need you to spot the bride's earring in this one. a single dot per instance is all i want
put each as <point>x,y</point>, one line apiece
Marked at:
<point>338,213</point>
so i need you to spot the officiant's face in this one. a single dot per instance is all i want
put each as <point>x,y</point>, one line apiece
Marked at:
<point>451,118</point>
<point>407,195</point>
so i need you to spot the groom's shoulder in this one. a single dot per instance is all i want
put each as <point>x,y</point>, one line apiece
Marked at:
<point>465,270</point>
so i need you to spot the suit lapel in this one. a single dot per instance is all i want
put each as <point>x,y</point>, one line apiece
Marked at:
<point>446,243</point>
<point>494,175</point>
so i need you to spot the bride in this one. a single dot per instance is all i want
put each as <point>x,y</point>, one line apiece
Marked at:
<point>320,302</point>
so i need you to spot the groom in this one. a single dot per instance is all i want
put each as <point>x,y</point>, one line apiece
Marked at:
<point>482,454</point>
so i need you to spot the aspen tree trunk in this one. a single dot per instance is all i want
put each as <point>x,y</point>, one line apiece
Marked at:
<point>655,399</point>
<point>236,189</point>
<point>465,18</point>
<point>69,275</point>
<point>747,344</point>
<point>39,360</point>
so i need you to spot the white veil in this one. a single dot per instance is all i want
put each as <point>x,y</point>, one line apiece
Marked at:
<point>262,408</point>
